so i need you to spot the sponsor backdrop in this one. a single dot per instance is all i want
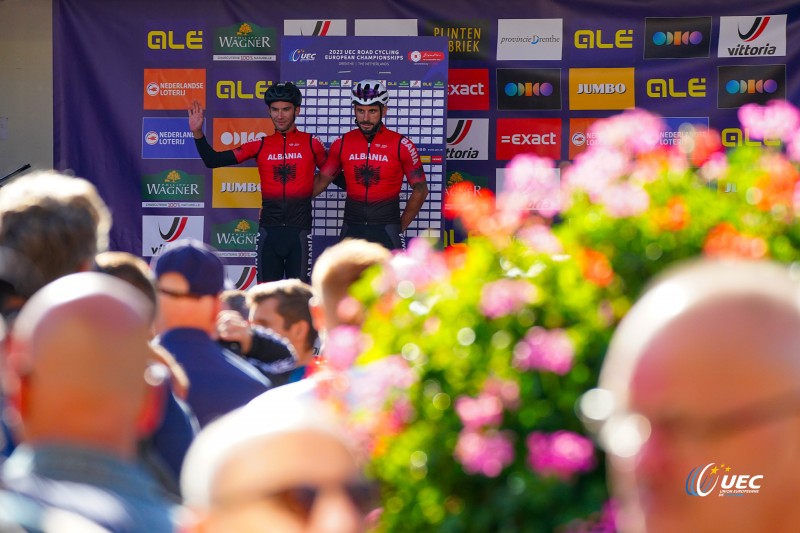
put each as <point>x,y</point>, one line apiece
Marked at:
<point>524,77</point>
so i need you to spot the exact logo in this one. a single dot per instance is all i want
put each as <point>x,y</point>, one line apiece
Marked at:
<point>468,89</point>
<point>528,88</point>
<point>739,85</point>
<point>752,36</point>
<point>665,88</point>
<point>165,40</point>
<point>594,39</point>
<point>521,135</point>
<point>703,480</point>
<point>677,37</point>
<point>468,138</point>
<point>601,88</point>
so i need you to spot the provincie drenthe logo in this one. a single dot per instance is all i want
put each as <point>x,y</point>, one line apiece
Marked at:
<point>704,480</point>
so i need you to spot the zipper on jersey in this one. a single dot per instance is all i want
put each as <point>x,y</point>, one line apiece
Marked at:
<point>283,180</point>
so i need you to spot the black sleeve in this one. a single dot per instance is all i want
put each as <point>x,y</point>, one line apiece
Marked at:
<point>271,349</point>
<point>211,157</point>
<point>339,181</point>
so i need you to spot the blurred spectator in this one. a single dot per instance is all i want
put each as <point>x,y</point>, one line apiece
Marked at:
<point>76,379</point>
<point>700,396</point>
<point>189,278</point>
<point>283,307</point>
<point>234,300</point>
<point>287,467</point>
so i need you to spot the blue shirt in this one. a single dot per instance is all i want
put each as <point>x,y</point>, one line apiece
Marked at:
<point>219,381</point>
<point>116,494</point>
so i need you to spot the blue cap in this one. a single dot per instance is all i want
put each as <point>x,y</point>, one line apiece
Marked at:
<point>195,261</point>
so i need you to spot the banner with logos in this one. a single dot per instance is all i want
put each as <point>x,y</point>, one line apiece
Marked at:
<point>523,77</point>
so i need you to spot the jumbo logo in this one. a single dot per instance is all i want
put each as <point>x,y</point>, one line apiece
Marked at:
<point>681,37</point>
<point>594,39</point>
<point>236,187</point>
<point>665,88</point>
<point>165,40</point>
<point>229,89</point>
<point>756,84</point>
<point>232,132</point>
<point>601,88</point>
<point>733,137</point>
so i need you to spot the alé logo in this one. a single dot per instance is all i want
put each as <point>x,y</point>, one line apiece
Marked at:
<point>704,480</point>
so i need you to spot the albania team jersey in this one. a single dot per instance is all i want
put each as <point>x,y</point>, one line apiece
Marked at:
<point>373,171</point>
<point>286,165</point>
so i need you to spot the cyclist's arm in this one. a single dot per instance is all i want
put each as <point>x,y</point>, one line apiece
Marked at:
<point>419,192</point>
<point>415,174</point>
<point>329,170</point>
<point>211,157</point>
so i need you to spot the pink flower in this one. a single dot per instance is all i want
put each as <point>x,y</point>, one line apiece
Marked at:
<point>507,391</point>
<point>541,239</point>
<point>541,349</point>
<point>506,296</point>
<point>776,120</point>
<point>595,169</point>
<point>531,182</point>
<point>484,453</point>
<point>715,167</point>
<point>477,413</point>
<point>419,263</point>
<point>560,454</point>
<point>625,200</point>
<point>342,346</point>
<point>636,131</point>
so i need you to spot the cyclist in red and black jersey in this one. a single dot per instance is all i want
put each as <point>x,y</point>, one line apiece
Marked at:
<point>287,161</point>
<point>374,160</point>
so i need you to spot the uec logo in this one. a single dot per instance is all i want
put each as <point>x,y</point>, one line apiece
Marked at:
<point>528,89</point>
<point>751,86</point>
<point>661,38</point>
<point>702,481</point>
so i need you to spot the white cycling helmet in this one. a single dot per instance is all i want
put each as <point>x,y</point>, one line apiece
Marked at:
<point>370,92</point>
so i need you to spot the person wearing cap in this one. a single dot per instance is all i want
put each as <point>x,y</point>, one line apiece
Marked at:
<point>189,278</point>
<point>287,161</point>
<point>698,405</point>
<point>374,160</point>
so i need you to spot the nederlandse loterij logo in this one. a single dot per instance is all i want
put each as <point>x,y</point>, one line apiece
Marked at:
<point>752,36</point>
<point>245,41</point>
<point>703,480</point>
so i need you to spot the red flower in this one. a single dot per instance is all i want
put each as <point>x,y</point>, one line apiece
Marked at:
<point>725,241</point>
<point>706,144</point>
<point>597,268</point>
<point>674,216</point>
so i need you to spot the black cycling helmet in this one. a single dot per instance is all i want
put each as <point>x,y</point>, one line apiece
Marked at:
<point>283,92</point>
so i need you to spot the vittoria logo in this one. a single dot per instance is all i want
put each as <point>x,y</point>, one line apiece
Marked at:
<point>158,231</point>
<point>752,36</point>
<point>739,85</point>
<point>386,27</point>
<point>677,37</point>
<point>315,28</point>
<point>528,88</point>
<point>241,276</point>
<point>468,138</point>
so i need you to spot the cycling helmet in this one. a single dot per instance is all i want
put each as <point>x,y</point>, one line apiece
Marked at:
<point>370,92</point>
<point>283,92</point>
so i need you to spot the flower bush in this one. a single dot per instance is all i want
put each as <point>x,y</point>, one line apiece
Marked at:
<point>504,334</point>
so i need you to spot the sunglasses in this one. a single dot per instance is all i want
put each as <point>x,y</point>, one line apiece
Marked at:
<point>300,499</point>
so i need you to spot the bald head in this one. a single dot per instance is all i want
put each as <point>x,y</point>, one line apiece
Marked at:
<point>709,360</point>
<point>77,361</point>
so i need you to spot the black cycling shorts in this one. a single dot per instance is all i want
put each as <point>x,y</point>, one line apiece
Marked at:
<point>388,235</point>
<point>284,252</point>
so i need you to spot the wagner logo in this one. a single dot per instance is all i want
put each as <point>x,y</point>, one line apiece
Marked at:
<point>166,40</point>
<point>174,88</point>
<point>666,88</point>
<point>521,135</point>
<point>733,137</point>
<point>230,89</point>
<point>467,38</point>
<point>173,188</point>
<point>677,37</point>
<point>601,88</point>
<point>752,36</point>
<point>236,238</point>
<point>233,132</point>
<point>585,39</point>
<point>468,89</point>
<point>468,138</point>
<point>158,231</point>
<point>758,84</point>
<point>315,28</point>
<point>245,41</point>
<point>703,480</point>
<point>529,39</point>
<point>528,88</point>
<point>301,56</point>
<point>236,187</point>
<point>241,276</point>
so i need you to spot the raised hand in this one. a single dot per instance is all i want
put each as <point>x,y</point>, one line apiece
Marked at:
<point>196,116</point>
